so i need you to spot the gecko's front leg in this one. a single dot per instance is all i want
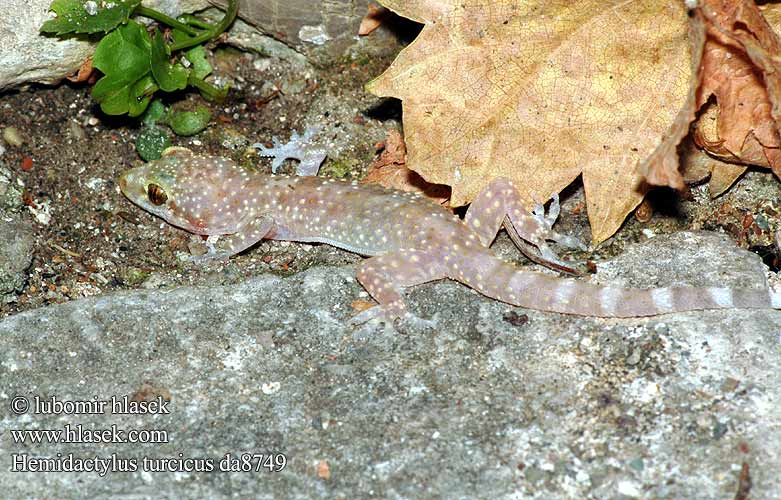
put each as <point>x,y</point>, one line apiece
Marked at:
<point>385,275</point>
<point>223,246</point>
<point>499,204</point>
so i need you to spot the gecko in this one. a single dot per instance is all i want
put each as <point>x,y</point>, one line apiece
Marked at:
<point>408,239</point>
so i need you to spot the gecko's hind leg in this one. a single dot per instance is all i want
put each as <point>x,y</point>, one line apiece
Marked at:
<point>385,275</point>
<point>499,204</point>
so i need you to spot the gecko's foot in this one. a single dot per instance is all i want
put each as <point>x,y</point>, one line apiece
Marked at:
<point>389,312</point>
<point>567,241</point>
<point>299,147</point>
<point>392,314</point>
<point>366,316</point>
<point>547,221</point>
<point>212,254</point>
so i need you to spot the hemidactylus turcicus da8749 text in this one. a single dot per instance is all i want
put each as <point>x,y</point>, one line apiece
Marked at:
<point>409,239</point>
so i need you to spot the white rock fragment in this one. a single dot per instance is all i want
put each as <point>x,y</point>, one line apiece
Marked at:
<point>95,183</point>
<point>313,34</point>
<point>41,210</point>
<point>270,387</point>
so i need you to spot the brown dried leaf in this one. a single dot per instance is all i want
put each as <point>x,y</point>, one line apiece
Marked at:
<point>389,170</point>
<point>394,151</point>
<point>540,92</point>
<point>372,20</point>
<point>661,168</point>
<point>739,71</point>
<point>85,71</point>
<point>359,305</point>
<point>323,470</point>
<point>696,165</point>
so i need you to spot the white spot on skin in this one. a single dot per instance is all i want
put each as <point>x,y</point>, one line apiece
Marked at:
<point>564,291</point>
<point>663,299</point>
<point>608,299</point>
<point>721,296</point>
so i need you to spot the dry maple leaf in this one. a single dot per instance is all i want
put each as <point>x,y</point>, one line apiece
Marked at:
<point>540,92</point>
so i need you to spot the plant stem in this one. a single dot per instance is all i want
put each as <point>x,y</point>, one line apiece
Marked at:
<point>209,91</point>
<point>230,15</point>
<point>198,23</point>
<point>167,20</point>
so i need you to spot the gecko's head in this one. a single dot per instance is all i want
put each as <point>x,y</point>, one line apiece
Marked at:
<point>185,190</point>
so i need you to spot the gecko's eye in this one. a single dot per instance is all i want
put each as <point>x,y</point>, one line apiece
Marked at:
<point>156,194</point>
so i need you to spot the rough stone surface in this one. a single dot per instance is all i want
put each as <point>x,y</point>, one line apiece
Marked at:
<point>302,22</point>
<point>16,252</point>
<point>25,56</point>
<point>483,400</point>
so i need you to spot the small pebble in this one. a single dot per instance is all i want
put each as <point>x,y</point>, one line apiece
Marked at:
<point>12,137</point>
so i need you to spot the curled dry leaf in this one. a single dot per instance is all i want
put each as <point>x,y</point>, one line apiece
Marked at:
<point>372,20</point>
<point>696,165</point>
<point>740,86</point>
<point>541,92</point>
<point>84,73</point>
<point>361,305</point>
<point>661,168</point>
<point>390,170</point>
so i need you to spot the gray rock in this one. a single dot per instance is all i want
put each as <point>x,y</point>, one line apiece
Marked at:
<point>10,194</point>
<point>485,400</point>
<point>302,22</point>
<point>16,252</point>
<point>695,258</point>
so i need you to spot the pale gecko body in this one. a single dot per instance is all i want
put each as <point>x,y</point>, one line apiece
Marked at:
<point>409,239</point>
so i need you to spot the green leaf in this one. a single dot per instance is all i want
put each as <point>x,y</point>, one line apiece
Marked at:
<point>189,122</point>
<point>125,52</point>
<point>179,36</point>
<point>119,97</point>
<point>123,56</point>
<point>169,77</point>
<point>154,113</point>
<point>141,94</point>
<point>92,16</point>
<point>197,57</point>
<point>151,143</point>
<point>209,91</point>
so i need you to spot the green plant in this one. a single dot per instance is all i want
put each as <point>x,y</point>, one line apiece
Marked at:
<point>136,64</point>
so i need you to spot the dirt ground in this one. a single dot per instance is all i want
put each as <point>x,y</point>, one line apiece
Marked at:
<point>96,241</point>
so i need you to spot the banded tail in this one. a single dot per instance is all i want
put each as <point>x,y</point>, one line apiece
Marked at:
<point>507,283</point>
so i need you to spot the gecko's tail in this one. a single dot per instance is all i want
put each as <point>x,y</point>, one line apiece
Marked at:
<point>572,296</point>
